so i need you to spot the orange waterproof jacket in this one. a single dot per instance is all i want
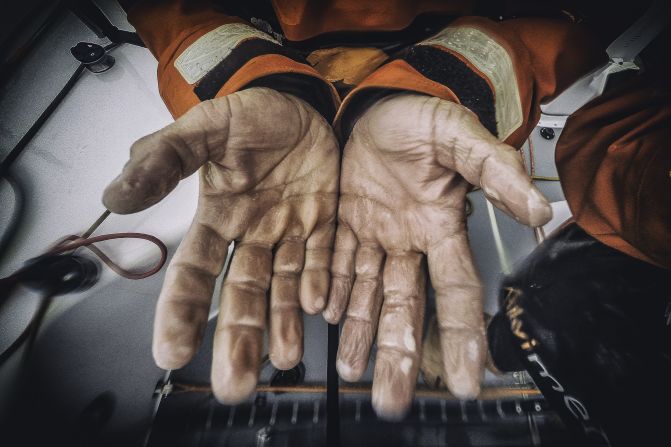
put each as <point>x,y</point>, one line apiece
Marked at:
<point>342,54</point>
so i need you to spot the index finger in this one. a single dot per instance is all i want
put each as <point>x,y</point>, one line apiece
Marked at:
<point>238,339</point>
<point>184,302</point>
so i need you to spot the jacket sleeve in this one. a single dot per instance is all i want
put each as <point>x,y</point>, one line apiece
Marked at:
<point>615,167</point>
<point>204,54</point>
<point>502,71</point>
<point>611,157</point>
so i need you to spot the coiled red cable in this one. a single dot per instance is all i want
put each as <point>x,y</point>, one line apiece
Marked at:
<point>73,242</point>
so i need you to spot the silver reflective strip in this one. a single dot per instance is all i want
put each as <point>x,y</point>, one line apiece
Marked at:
<point>211,48</point>
<point>492,60</point>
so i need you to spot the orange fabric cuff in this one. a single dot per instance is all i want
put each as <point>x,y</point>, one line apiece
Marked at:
<point>270,64</point>
<point>161,24</point>
<point>396,75</point>
<point>177,94</point>
<point>170,27</point>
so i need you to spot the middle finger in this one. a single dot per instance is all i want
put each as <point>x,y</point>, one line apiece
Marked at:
<point>399,335</point>
<point>363,311</point>
<point>238,339</point>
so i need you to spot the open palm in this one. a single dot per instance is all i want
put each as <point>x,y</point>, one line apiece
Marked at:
<point>407,168</point>
<point>269,167</point>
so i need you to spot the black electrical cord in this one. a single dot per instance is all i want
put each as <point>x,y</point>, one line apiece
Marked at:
<point>28,335</point>
<point>18,213</point>
<point>96,20</point>
<point>5,165</point>
<point>332,392</point>
<point>37,125</point>
<point>8,284</point>
<point>44,265</point>
<point>16,151</point>
<point>44,116</point>
<point>11,61</point>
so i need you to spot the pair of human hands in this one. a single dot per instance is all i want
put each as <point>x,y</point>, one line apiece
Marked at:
<point>271,180</point>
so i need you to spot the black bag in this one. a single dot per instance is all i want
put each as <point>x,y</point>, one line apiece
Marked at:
<point>591,326</point>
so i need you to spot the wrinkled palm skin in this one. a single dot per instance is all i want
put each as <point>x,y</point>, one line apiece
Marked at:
<point>268,165</point>
<point>407,168</point>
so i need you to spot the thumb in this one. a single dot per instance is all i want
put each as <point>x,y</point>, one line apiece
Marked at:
<point>160,160</point>
<point>470,149</point>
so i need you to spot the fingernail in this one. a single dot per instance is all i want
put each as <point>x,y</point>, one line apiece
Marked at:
<point>329,316</point>
<point>286,345</point>
<point>393,385</point>
<point>235,364</point>
<point>168,355</point>
<point>319,303</point>
<point>540,211</point>
<point>231,388</point>
<point>464,360</point>
<point>338,297</point>
<point>355,343</point>
<point>312,291</point>
<point>286,358</point>
<point>346,372</point>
